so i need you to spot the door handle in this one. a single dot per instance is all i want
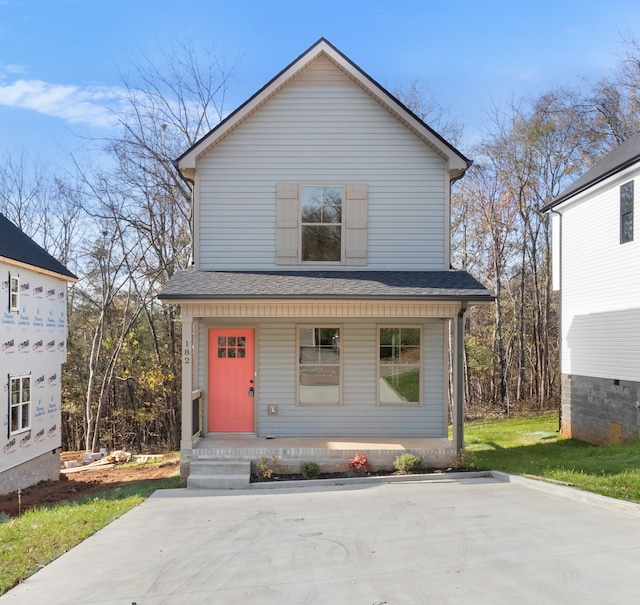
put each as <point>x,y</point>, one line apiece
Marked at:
<point>251,392</point>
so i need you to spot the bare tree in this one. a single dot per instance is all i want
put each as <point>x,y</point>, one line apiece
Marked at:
<point>612,105</point>
<point>490,217</point>
<point>141,205</point>
<point>418,98</point>
<point>24,191</point>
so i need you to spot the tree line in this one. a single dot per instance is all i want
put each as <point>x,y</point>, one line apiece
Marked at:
<point>120,219</point>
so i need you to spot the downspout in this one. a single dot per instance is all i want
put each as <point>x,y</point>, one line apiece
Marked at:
<point>458,433</point>
<point>459,428</point>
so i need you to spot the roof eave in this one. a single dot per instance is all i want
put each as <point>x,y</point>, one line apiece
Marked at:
<point>70,277</point>
<point>478,298</point>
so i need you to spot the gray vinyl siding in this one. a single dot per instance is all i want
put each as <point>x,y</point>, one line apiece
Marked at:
<point>358,415</point>
<point>322,135</point>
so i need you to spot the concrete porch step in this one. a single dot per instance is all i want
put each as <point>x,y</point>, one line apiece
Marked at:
<point>219,474</point>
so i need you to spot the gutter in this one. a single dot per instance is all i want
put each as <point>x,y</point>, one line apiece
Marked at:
<point>461,173</point>
<point>186,179</point>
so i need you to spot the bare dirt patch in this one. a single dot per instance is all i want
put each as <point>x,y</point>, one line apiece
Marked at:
<point>73,486</point>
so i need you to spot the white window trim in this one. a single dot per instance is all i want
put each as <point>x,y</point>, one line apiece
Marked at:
<point>298,364</point>
<point>20,404</point>
<point>420,367</point>
<point>14,279</point>
<point>315,263</point>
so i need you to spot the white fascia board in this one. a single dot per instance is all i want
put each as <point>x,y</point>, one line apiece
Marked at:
<point>36,269</point>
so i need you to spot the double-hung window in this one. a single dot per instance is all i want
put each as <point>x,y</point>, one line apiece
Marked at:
<point>321,224</point>
<point>14,293</point>
<point>399,365</point>
<point>319,367</point>
<point>20,394</point>
<point>325,224</point>
<point>626,213</point>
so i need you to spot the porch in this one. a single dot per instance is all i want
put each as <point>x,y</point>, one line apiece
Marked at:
<point>330,453</point>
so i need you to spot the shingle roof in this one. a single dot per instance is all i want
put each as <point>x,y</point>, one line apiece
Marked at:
<point>617,159</point>
<point>434,285</point>
<point>16,245</point>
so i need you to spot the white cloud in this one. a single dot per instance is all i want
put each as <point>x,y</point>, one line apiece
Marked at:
<point>74,104</point>
<point>13,68</point>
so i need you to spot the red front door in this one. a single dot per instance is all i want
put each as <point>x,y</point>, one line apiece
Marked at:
<point>231,381</point>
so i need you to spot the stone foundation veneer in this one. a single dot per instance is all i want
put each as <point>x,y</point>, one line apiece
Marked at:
<point>599,410</point>
<point>43,468</point>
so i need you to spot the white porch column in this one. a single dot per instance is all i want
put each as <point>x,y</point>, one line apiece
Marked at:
<point>186,442</point>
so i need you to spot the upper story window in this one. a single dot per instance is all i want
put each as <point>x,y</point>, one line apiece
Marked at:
<point>321,233</point>
<point>626,212</point>
<point>14,293</point>
<point>321,224</point>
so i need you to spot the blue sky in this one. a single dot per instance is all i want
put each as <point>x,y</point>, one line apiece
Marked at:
<point>60,60</point>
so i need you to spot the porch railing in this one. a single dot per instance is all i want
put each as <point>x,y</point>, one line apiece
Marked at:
<point>196,411</point>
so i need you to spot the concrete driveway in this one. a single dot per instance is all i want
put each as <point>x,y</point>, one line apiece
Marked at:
<point>468,540</point>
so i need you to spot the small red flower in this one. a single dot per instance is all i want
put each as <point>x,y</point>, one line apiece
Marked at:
<point>360,464</point>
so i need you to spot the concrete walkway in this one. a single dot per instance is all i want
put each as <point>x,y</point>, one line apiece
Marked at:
<point>469,541</point>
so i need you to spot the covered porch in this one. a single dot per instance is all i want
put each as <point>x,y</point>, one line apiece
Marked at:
<point>268,313</point>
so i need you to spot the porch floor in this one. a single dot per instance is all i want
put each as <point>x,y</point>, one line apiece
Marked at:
<point>331,453</point>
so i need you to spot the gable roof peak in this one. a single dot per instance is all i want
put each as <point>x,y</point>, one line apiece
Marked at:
<point>458,163</point>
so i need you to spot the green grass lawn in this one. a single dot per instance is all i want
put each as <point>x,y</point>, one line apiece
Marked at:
<point>531,446</point>
<point>29,542</point>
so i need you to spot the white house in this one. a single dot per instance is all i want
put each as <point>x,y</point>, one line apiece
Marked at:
<point>321,298</point>
<point>596,260</point>
<point>33,337</point>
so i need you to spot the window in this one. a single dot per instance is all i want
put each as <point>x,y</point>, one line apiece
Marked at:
<point>319,368</point>
<point>20,403</point>
<point>626,213</point>
<point>321,224</point>
<point>232,347</point>
<point>14,288</point>
<point>399,365</point>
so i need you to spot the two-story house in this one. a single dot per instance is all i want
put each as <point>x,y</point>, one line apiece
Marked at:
<point>596,257</point>
<point>33,337</point>
<point>322,304</point>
